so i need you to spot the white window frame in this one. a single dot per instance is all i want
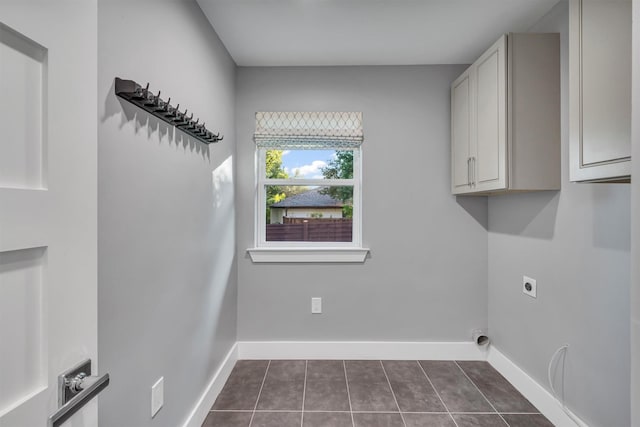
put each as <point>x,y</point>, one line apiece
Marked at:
<point>265,251</point>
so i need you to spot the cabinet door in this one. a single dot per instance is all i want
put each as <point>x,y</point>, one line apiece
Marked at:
<point>600,85</point>
<point>488,153</point>
<point>460,134</point>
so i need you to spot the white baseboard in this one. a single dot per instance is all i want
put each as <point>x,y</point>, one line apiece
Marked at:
<point>206,401</point>
<point>532,390</point>
<point>362,350</point>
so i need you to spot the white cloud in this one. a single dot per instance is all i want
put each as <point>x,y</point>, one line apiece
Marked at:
<point>285,152</point>
<point>312,171</point>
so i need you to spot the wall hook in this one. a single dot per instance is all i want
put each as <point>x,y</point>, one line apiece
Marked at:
<point>132,92</point>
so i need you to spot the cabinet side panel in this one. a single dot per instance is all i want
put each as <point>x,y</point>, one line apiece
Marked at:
<point>535,111</point>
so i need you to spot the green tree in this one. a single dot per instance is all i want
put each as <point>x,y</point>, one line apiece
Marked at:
<point>274,165</point>
<point>341,167</point>
<point>274,170</point>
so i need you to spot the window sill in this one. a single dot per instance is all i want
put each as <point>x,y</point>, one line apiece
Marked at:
<point>311,255</point>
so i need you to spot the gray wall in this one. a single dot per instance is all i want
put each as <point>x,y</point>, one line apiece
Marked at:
<point>635,225</point>
<point>576,244</point>
<point>167,273</point>
<point>426,277</point>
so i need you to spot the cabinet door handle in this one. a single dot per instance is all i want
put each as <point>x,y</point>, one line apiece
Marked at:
<point>473,171</point>
<point>469,171</point>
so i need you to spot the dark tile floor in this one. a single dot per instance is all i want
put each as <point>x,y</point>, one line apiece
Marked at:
<point>370,393</point>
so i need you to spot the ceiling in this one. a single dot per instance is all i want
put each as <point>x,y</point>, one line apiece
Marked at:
<point>366,32</point>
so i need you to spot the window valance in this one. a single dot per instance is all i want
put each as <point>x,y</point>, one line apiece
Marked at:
<point>309,130</point>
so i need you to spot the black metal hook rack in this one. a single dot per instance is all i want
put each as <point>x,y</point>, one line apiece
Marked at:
<point>141,97</point>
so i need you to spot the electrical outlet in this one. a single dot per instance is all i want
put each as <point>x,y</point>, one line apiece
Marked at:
<point>157,396</point>
<point>529,286</point>
<point>316,305</point>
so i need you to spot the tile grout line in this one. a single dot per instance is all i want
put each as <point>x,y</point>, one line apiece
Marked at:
<point>346,380</point>
<point>304,391</point>
<point>393,393</point>
<point>437,394</point>
<point>378,412</point>
<point>253,414</point>
<point>480,391</point>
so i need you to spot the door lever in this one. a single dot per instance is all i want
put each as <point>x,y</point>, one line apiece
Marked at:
<point>76,387</point>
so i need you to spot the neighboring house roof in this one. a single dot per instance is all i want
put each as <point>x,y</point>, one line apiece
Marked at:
<point>309,199</point>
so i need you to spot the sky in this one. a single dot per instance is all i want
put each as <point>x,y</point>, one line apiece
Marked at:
<point>308,162</point>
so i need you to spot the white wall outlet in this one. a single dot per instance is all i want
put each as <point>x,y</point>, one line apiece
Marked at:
<point>529,286</point>
<point>316,305</point>
<point>157,396</point>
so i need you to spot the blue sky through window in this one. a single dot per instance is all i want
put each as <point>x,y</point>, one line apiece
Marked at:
<point>308,163</point>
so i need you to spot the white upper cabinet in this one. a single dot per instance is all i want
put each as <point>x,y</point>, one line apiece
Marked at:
<point>505,118</point>
<point>600,90</point>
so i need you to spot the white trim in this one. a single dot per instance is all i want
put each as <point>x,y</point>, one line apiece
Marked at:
<point>279,254</point>
<point>537,395</point>
<point>362,350</point>
<point>208,397</point>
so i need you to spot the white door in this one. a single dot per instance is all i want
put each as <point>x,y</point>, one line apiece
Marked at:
<point>48,215</point>
<point>488,165</point>
<point>461,134</point>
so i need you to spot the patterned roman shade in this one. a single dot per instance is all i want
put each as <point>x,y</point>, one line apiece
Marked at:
<point>309,130</point>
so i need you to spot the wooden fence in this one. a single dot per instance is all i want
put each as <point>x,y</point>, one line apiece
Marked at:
<point>311,230</point>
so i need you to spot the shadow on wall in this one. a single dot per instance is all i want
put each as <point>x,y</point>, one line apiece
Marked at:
<point>611,210</point>
<point>477,207</point>
<point>129,112</point>
<point>527,214</point>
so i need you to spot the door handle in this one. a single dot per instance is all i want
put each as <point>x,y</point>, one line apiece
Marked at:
<point>469,171</point>
<point>76,387</point>
<point>473,171</point>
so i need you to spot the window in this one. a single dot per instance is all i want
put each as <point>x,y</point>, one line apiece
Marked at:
<point>308,201</point>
